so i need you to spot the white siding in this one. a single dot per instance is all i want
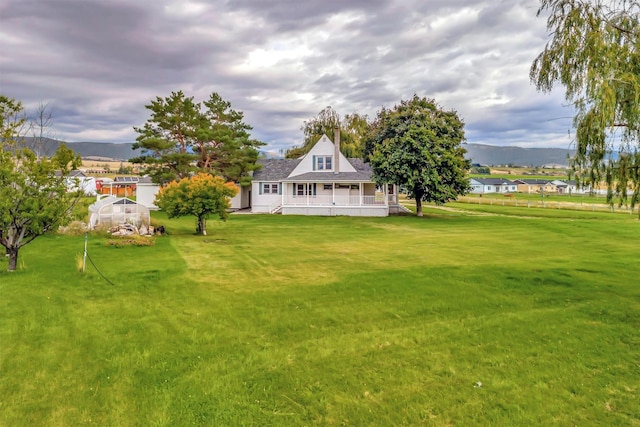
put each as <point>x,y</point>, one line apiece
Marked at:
<point>146,194</point>
<point>241,200</point>
<point>263,203</point>
<point>324,147</point>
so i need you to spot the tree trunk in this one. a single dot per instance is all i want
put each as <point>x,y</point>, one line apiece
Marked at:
<point>13,258</point>
<point>202,226</point>
<point>418,192</point>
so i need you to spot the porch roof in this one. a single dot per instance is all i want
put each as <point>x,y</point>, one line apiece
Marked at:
<point>330,177</point>
<point>363,173</point>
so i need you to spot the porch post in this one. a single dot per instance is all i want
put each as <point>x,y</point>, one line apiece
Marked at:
<point>360,185</point>
<point>307,191</point>
<point>386,194</point>
<point>333,193</point>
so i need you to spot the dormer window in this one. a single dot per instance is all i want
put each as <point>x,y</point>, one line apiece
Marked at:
<point>323,163</point>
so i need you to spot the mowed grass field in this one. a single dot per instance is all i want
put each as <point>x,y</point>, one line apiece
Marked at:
<point>452,319</point>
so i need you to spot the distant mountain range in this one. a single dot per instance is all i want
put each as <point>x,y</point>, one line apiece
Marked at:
<point>488,155</point>
<point>491,155</point>
<point>98,150</point>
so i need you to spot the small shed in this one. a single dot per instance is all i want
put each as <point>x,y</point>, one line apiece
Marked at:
<point>146,192</point>
<point>121,186</point>
<point>113,210</point>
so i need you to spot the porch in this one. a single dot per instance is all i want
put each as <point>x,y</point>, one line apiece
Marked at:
<point>337,198</point>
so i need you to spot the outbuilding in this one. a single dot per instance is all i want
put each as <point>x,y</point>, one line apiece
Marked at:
<point>110,211</point>
<point>146,191</point>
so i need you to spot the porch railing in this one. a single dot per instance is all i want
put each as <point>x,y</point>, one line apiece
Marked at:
<point>311,200</point>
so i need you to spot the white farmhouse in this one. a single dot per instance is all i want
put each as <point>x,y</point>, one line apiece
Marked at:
<point>322,182</point>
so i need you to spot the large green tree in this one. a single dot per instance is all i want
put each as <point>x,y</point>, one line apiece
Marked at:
<point>353,130</point>
<point>201,195</point>
<point>34,197</point>
<point>224,146</point>
<point>418,145</point>
<point>594,52</point>
<point>182,137</point>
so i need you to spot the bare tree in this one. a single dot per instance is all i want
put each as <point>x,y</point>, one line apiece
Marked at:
<point>42,136</point>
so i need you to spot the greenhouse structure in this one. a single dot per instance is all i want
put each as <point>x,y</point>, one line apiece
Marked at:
<point>111,211</point>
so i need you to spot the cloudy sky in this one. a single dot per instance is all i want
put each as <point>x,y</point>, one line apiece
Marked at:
<point>97,63</point>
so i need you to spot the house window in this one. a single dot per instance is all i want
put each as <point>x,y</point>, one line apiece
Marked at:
<point>327,187</point>
<point>269,188</point>
<point>323,163</point>
<point>304,189</point>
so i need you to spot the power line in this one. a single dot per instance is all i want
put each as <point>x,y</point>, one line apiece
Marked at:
<point>86,256</point>
<point>99,272</point>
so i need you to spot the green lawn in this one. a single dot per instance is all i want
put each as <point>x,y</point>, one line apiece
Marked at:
<point>285,320</point>
<point>574,198</point>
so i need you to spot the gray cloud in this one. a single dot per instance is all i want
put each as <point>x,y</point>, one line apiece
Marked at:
<point>280,62</point>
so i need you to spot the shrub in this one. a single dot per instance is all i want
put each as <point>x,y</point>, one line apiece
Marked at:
<point>131,240</point>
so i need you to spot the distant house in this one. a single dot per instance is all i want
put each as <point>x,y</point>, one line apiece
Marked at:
<point>492,185</point>
<point>535,186</point>
<point>554,166</point>
<point>77,180</point>
<point>570,187</point>
<point>322,182</point>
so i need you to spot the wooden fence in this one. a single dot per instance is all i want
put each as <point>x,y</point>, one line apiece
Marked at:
<point>547,204</point>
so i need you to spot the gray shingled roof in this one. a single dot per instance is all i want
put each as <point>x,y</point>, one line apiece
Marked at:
<point>275,169</point>
<point>76,173</point>
<point>279,170</point>
<point>532,181</point>
<point>493,181</point>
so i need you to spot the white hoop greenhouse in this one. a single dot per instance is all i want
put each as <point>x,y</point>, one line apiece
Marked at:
<point>113,210</point>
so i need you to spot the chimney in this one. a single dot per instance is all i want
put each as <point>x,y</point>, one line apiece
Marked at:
<point>336,150</point>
